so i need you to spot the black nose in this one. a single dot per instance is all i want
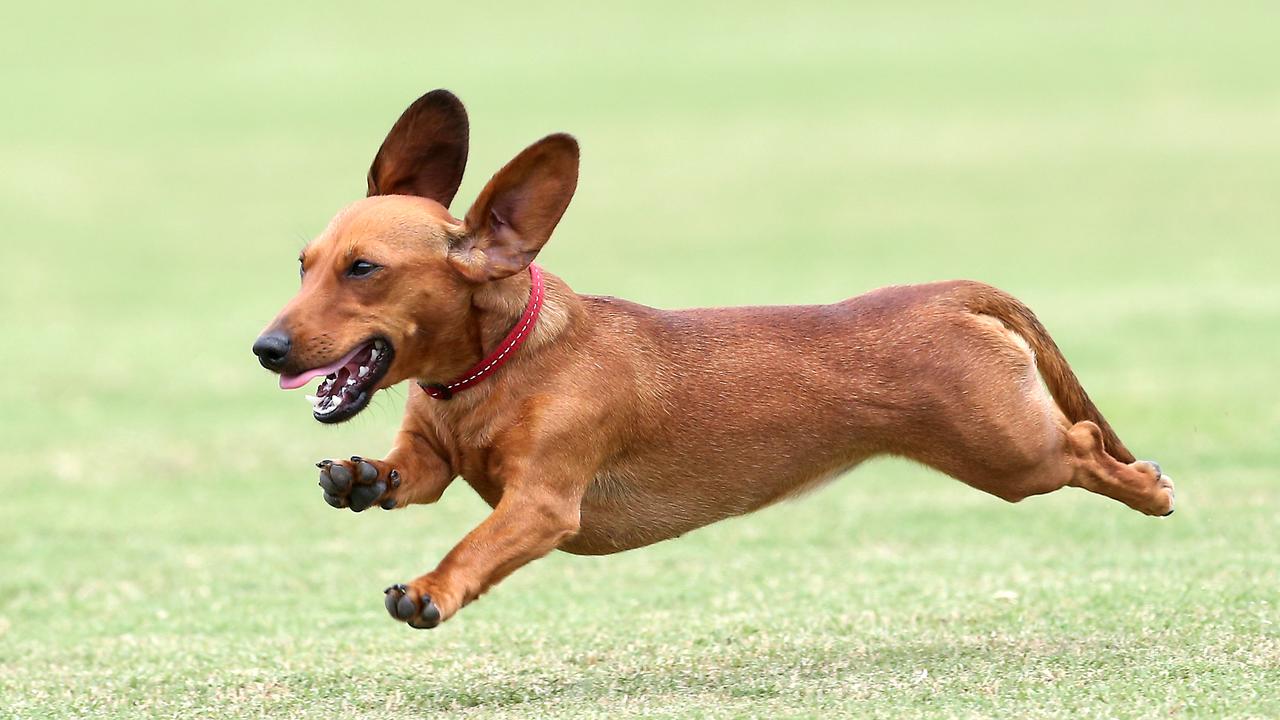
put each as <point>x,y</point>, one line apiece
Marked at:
<point>272,348</point>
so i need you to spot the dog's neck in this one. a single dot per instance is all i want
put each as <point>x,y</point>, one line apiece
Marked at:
<point>498,306</point>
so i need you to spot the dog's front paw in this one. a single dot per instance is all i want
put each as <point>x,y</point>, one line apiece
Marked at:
<point>358,483</point>
<point>417,612</point>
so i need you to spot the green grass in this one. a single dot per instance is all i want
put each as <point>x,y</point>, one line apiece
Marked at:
<point>164,550</point>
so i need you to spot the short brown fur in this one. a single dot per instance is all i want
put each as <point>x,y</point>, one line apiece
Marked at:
<point>619,425</point>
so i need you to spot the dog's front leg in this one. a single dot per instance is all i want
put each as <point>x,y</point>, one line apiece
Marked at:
<point>526,524</point>
<point>412,473</point>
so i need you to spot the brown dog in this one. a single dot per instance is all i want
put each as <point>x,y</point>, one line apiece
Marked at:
<point>594,425</point>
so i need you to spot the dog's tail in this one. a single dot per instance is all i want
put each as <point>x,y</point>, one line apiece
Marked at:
<point>1062,382</point>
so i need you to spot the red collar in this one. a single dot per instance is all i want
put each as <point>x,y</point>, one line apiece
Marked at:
<point>501,354</point>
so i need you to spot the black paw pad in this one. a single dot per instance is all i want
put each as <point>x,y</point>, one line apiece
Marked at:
<point>338,479</point>
<point>406,608</point>
<point>365,495</point>
<point>356,484</point>
<point>403,607</point>
<point>428,618</point>
<point>392,598</point>
<point>366,472</point>
<point>335,479</point>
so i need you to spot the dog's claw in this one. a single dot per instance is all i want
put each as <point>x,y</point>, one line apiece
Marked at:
<point>394,595</point>
<point>390,599</point>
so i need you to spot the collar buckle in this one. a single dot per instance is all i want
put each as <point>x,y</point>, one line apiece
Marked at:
<point>437,390</point>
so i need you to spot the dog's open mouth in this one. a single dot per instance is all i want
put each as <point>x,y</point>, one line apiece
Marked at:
<point>348,384</point>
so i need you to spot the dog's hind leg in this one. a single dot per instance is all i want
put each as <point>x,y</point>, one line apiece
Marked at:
<point>1074,459</point>
<point>1001,431</point>
<point>1140,484</point>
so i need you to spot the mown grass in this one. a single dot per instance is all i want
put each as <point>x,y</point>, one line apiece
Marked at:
<point>164,550</point>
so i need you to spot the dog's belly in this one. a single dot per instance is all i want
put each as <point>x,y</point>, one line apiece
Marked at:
<point>626,508</point>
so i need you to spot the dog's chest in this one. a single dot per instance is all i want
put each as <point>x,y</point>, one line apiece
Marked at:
<point>473,467</point>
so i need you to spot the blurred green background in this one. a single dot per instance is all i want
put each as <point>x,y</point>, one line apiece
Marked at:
<point>164,550</point>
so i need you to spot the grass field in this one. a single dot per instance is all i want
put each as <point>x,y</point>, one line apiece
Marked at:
<point>164,550</point>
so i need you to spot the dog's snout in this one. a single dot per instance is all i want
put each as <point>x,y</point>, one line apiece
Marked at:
<point>272,348</point>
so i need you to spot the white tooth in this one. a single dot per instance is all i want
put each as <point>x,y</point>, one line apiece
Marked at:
<point>363,371</point>
<point>351,381</point>
<point>315,401</point>
<point>374,356</point>
<point>331,377</point>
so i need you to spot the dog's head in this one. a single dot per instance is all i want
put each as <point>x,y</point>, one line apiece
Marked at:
<point>387,287</point>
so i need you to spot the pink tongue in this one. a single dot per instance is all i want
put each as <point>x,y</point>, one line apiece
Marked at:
<point>293,382</point>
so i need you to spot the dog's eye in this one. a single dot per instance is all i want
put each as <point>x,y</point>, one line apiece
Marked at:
<point>361,268</point>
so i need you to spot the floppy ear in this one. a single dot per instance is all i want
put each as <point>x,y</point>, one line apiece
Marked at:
<point>516,212</point>
<point>425,152</point>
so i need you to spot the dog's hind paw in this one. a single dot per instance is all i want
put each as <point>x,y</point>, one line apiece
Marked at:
<point>358,484</point>
<point>1166,483</point>
<point>421,613</point>
<point>1163,493</point>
